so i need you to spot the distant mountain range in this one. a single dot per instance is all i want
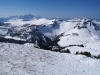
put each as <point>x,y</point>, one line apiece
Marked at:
<point>46,31</point>
<point>24,17</point>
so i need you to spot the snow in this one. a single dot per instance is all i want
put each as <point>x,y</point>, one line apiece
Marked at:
<point>80,32</point>
<point>3,30</point>
<point>15,38</point>
<point>73,50</point>
<point>26,60</point>
<point>94,45</point>
<point>74,40</point>
<point>50,30</point>
<point>90,45</point>
<point>20,22</point>
<point>92,30</point>
<point>69,27</point>
<point>48,27</point>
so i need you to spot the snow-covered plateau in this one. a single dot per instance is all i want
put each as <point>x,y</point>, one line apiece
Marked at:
<point>35,45</point>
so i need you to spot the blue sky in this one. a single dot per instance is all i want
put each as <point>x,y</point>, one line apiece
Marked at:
<point>53,8</point>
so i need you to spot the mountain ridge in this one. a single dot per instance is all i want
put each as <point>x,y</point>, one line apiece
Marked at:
<point>51,30</point>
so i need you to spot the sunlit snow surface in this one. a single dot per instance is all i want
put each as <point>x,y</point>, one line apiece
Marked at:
<point>26,60</point>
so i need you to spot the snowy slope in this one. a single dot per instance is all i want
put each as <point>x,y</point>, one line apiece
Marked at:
<point>79,32</point>
<point>26,60</point>
<point>93,52</point>
<point>82,27</point>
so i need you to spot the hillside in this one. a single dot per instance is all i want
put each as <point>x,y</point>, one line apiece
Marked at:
<point>26,60</point>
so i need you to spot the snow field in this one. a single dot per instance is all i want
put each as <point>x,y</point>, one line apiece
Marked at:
<point>25,60</point>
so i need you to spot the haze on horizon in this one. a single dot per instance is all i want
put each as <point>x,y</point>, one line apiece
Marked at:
<point>53,8</point>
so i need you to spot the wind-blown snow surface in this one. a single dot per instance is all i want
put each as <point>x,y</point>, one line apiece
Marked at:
<point>26,60</point>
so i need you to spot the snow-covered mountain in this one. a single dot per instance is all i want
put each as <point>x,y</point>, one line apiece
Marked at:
<point>80,30</point>
<point>21,36</point>
<point>46,32</point>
